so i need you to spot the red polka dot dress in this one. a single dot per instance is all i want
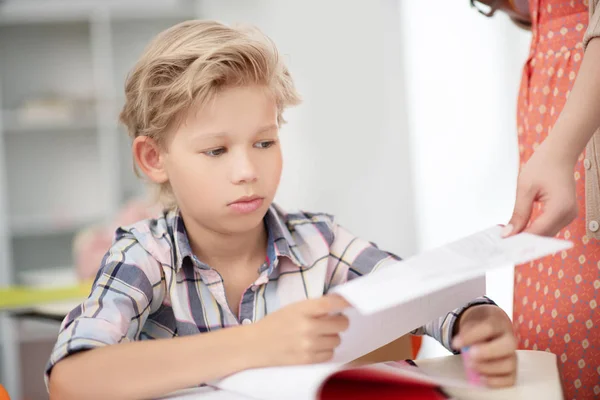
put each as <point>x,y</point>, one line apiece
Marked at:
<point>556,298</point>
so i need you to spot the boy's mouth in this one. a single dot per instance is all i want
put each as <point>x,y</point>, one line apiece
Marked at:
<point>247,204</point>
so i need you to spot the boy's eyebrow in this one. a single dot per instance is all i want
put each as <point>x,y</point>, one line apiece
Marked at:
<point>224,134</point>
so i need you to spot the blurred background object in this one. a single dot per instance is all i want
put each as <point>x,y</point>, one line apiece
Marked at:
<point>406,133</point>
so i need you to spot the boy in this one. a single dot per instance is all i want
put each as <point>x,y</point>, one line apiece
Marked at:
<point>203,106</point>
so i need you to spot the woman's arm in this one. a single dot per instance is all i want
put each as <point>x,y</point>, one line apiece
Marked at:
<point>548,175</point>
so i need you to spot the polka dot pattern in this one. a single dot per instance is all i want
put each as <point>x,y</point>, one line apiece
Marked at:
<point>556,298</point>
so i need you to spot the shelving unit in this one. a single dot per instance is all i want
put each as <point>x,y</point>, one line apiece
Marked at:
<point>64,161</point>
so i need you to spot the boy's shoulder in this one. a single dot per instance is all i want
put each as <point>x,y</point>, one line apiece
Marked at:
<point>303,223</point>
<point>155,235</point>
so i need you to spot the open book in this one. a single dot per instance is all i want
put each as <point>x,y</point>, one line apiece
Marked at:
<point>388,304</point>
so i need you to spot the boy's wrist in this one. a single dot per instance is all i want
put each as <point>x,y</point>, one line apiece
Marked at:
<point>255,353</point>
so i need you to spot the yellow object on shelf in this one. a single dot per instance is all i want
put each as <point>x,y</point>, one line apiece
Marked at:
<point>18,297</point>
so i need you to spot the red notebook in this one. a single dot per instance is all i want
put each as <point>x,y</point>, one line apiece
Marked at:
<point>378,384</point>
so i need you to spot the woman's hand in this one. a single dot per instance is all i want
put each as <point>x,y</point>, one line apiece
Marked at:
<point>546,178</point>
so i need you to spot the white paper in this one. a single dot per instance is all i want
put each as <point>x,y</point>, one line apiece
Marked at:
<point>393,301</point>
<point>431,271</point>
<point>205,393</point>
<point>369,332</point>
<point>300,382</point>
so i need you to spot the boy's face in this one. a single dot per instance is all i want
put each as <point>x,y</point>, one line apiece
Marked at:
<point>224,161</point>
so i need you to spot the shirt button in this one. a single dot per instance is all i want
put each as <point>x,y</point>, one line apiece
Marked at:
<point>587,164</point>
<point>254,288</point>
<point>594,226</point>
<point>246,321</point>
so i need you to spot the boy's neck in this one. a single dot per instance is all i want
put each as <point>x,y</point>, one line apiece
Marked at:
<point>217,249</point>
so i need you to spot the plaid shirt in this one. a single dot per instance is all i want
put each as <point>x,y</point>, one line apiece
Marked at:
<point>152,286</point>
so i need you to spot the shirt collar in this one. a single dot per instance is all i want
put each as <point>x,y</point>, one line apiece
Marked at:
<point>280,241</point>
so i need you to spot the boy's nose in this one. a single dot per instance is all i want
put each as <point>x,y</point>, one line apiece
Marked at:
<point>244,170</point>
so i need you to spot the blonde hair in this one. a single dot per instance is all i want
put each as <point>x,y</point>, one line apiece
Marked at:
<point>188,64</point>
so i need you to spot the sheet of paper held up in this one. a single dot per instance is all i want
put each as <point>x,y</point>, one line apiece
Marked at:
<point>393,301</point>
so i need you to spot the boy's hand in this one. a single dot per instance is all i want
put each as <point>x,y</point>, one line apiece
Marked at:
<point>488,332</point>
<point>301,333</point>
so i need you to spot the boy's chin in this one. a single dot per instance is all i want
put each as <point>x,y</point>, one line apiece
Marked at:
<point>242,223</point>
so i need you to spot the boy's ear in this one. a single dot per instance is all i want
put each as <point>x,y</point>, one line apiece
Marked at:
<point>149,158</point>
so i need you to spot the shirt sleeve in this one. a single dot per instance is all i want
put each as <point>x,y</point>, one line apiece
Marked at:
<point>593,30</point>
<point>127,285</point>
<point>351,257</point>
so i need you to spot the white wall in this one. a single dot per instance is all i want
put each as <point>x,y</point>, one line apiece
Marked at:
<point>463,72</point>
<point>346,147</point>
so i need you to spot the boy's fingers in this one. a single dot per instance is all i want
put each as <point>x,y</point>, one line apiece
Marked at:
<point>500,381</point>
<point>331,303</point>
<point>477,332</point>
<point>498,367</point>
<point>328,342</point>
<point>501,347</point>
<point>332,324</point>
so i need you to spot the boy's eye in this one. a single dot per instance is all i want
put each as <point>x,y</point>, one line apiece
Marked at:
<point>215,152</point>
<point>265,144</point>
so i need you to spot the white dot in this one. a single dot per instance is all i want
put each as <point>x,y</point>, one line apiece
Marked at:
<point>581,364</point>
<point>567,338</point>
<point>585,343</point>
<point>574,299</point>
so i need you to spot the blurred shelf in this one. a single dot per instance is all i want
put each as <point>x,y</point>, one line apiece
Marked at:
<point>48,278</point>
<point>37,330</point>
<point>49,224</point>
<point>13,124</point>
<point>47,11</point>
